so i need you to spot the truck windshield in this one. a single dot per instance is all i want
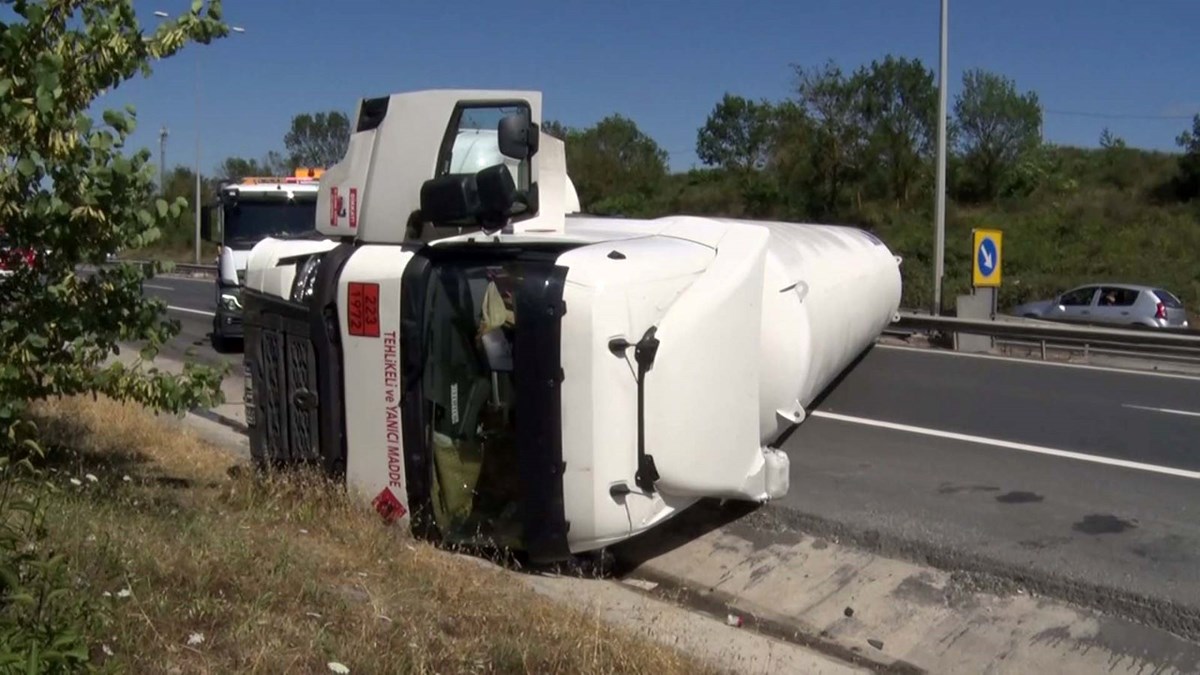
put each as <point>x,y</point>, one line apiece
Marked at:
<point>470,397</point>
<point>249,222</point>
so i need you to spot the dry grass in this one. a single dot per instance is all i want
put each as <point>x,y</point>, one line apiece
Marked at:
<point>284,574</point>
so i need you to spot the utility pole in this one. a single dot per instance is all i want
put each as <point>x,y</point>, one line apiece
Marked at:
<point>162,161</point>
<point>197,233</point>
<point>939,237</point>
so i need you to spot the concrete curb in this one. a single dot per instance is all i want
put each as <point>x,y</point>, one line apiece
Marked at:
<point>894,616</point>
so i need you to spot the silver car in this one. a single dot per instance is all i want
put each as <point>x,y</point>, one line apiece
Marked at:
<point>1127,305</point>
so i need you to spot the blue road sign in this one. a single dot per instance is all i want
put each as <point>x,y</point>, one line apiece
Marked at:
<point>987,268</point>
<point>988,256</point>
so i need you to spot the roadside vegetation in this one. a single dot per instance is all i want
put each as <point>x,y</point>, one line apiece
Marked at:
<point>858,148</point>
<point>187,561</point>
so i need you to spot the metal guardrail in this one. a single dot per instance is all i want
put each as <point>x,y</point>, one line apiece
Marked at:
<point>180,267</point>
<point>1050,331</point>
<point>1176,344</point>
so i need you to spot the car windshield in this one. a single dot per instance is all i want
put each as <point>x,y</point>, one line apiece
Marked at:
<point>250,221</point>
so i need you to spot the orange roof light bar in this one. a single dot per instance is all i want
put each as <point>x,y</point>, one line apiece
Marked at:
<point>301,175</point>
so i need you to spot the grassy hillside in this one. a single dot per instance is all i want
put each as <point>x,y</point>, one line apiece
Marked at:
<point>1091,215</point>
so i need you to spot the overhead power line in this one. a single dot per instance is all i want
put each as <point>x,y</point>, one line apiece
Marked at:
<point>1119,116</point>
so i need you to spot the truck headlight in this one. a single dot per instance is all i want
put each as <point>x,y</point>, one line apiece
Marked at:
<point>306,278</point>
<point>231,300</point>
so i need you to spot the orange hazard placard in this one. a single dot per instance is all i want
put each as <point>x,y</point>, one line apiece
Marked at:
<point>362,309</point>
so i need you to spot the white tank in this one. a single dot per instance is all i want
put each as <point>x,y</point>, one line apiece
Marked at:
<point>753,320</point>
<point>844,289</point>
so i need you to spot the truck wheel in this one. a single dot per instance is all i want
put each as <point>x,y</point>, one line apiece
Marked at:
<point>220,343</point>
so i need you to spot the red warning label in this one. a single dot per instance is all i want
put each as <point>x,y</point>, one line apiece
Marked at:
<point>333,206</point>
<point>362,309</point>
<point>353,208</point>
<point>388,506</point>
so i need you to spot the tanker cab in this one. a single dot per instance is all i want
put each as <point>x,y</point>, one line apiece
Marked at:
<point>451,349</point>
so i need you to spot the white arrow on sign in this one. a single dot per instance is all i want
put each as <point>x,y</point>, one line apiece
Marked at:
<point>987,257</point>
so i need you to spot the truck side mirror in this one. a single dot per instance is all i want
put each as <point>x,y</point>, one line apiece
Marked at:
<point>450,199</point>
<point>517,136</point>
<point>497,192</point>
<point>206,232</point>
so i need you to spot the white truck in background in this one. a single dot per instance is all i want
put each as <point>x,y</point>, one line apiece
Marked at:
<point>487,366</point>
<point>244,213</point>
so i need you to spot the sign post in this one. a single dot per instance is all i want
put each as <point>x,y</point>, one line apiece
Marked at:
<point>986,271</point>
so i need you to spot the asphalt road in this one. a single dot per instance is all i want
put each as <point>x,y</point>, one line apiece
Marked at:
<point>192,302</point>
<point>1048,474</point>
<point>1075,481</point>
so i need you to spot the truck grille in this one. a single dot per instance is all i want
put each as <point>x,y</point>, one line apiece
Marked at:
<point>281,396</point>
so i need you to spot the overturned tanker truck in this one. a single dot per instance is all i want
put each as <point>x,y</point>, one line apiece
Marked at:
<point>487,366</point>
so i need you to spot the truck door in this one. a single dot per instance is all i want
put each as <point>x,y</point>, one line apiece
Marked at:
<point>401,141</point>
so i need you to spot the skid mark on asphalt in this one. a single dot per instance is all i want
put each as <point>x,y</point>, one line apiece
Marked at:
<point>1010,445</point>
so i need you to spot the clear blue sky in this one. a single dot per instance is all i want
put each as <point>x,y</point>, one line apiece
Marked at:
<point>663,63</point>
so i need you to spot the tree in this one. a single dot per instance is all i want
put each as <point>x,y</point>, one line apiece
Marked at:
<point>556,129</point>
<point>70,194</point>
<point>737,135</point>
<point>1109,141</point>
<point>178,229</point>
<point>318,140</point>
<point>1188,181</point>
<point>1115,164</point>
<point>897,104</point>
<point>237,168</point>
<point>615,166</point>
<point>996,126</point>
<point>837,139</point>
<point>275,164</point>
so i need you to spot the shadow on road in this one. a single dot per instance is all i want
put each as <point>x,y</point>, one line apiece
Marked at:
<point>704,517</point>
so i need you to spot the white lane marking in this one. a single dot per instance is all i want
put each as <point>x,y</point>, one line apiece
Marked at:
<point>158,288</point>
<point>1033,362</point>
<point>190,311</point>
<point>173,277</point>
<point>1172,411</point>
<point>1010,445</point>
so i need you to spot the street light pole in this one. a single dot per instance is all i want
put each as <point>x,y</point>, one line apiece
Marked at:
<point>162,161</point>
<point>235,29</point>
<point>939,238</point>
<point>197,233</point>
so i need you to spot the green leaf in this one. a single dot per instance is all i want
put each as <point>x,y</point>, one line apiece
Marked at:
<point>25,167</point>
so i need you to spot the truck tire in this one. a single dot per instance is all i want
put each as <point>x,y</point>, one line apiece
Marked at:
<point>220,343</point>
